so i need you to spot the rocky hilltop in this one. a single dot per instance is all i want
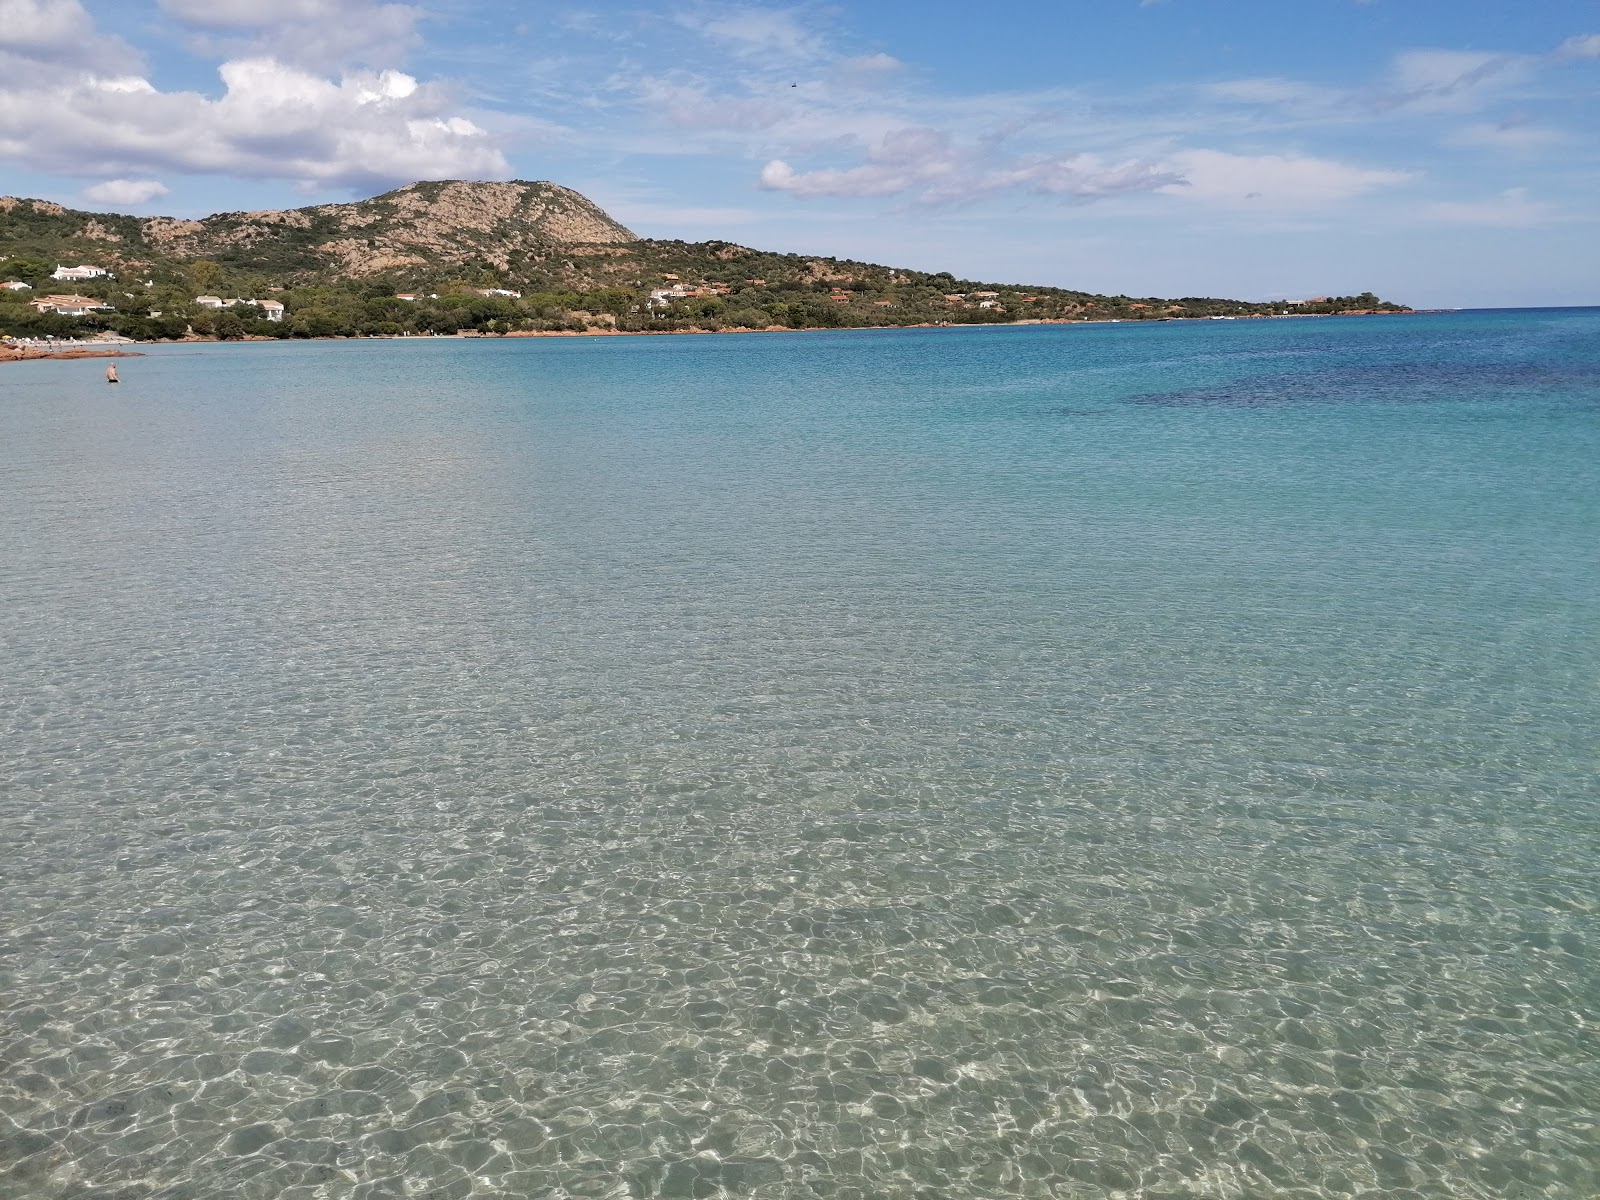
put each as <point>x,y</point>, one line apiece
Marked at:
<point>500,226</point>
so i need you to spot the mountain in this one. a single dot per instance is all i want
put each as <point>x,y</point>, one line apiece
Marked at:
<point>336,268</point>
<point>426,225</point>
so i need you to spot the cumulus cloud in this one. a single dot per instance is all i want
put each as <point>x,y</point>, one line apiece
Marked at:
<point>43,26</point>
<point>96,116</point>
<point>325,34</point>
<point>126,192</point>
<point>1513,208</point>
<point>1274,182</point>
<point>272,121</point>
<point>37,36</point>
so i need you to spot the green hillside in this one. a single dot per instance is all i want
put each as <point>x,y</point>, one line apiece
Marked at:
<point>337,269</point>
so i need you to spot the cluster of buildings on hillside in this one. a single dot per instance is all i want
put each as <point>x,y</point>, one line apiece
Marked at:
<point>82,306</point>
<point>984,300</point>
<point>79,274</point>
<point>66,305</point>
<point>271,310</point>
<point>677,290</point>
<point>72,305</point>
<point>505,293</point>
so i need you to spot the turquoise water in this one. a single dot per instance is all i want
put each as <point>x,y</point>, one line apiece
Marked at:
<point>1107,761</point>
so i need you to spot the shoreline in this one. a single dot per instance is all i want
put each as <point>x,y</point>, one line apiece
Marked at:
<point>10,353</point>
<point>36,353</point>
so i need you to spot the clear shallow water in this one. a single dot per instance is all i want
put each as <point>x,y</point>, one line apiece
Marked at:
<point>1104,761</point>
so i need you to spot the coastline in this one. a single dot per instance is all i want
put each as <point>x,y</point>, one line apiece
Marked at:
<point>12,353</point>
<point>36,353</point>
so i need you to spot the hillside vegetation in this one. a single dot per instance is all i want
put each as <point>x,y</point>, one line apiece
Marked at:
<point>339,270</point>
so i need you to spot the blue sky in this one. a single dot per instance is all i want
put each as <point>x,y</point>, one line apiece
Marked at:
<point>1439,153</point>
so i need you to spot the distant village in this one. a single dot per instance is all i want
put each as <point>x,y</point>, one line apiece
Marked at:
<point>71,305</point>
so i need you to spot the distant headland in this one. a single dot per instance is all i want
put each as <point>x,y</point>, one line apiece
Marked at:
<point>519,258</point>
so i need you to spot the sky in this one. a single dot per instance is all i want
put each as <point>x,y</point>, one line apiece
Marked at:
<point>1442,153</point>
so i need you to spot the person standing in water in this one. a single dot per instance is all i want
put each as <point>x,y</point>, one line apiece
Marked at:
<point>111,373</point>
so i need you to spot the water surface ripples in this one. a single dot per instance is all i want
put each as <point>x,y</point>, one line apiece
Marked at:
<point>813,766</point>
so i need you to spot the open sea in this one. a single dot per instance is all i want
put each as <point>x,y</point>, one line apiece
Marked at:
<point>1129,762</point>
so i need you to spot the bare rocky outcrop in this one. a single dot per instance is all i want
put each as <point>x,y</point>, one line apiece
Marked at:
<point>170,234</point>
<point>422,224</point>
<point>822,272</point>
<point>93,229</point>
<point>455,222</point>
<point>356,256</point>
<point>7,203</point>
<point>440,212</point>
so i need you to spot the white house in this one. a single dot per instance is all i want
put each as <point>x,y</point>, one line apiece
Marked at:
<point>409,296</point>
<point>16,285</point>
<point>499,292</point>
<point>271,309</point>
<point>209,301</point>
<point>71,306</point>
<point>79,273</point>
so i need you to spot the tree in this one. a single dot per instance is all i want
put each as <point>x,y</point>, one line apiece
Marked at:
<point>28,270</point>
<point>228,326</point>
<point>616,301</point>
<point>203,274</point>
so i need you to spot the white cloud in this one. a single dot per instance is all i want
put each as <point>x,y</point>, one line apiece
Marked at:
<point>869,70</point>
<point>779,176</point>
<point>1416,81</point>
<point>40,36</point>
<point>873,63</point>
<point>929,165</point>
<point>272,121</point>
<point>43,26</point>
<point>757,33</point>
<point>1275,91</point>
<point>129,192</point>
<point>1511,209</point>
<point>690,106</point>
<point>1583,45</point>
<point>1449,80</point>
<point>326,34</point>
<point>1274,182</point>
<point>1513,134</point>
